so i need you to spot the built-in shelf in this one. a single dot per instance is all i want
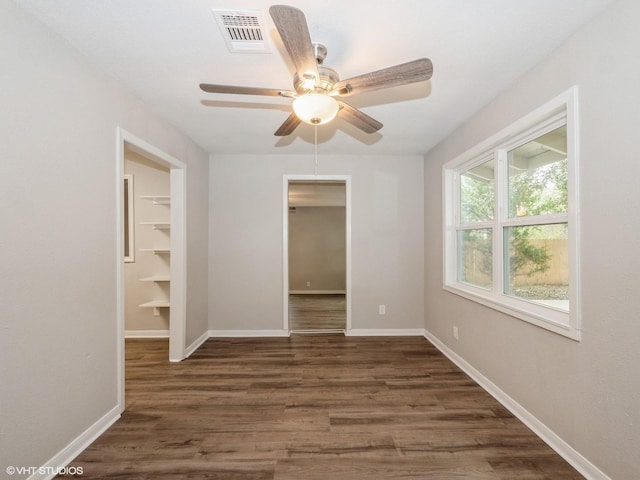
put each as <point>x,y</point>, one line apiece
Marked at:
<point>156,305</point>
<point>161,278</point>
<point>158,199</point>
<point>158,225</point>
<point>156,278</point>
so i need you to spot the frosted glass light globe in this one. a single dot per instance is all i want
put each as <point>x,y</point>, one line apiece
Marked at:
<point>315,108</point>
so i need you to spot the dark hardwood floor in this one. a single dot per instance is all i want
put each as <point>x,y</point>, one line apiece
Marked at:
<point>312,407</point>
<point>311,313</point>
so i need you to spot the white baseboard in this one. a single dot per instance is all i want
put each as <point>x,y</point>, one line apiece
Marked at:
<point>562,448</point>
<point>248,333</point>
<point>146,334</point>
<point>317,292</point>
<point>385,332</point>
<point>65,456</point>
<point>358,332</point>
<point>196,344</point>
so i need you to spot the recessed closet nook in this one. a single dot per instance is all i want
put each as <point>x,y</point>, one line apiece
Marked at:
<point>147,206</point>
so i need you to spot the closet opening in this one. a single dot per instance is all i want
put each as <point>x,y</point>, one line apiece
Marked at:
<point>151,269</point>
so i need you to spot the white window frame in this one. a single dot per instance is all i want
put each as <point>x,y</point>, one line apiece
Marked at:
<point>559,111</point>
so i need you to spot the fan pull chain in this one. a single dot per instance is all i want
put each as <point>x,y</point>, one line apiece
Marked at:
<point>315,150</point>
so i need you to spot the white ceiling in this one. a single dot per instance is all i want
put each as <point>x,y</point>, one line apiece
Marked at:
<point>161,50</point>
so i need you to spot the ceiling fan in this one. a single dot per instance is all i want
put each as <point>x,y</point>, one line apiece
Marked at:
<point>317,89</point>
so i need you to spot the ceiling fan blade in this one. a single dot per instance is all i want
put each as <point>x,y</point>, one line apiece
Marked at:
<point>293,30</point>
<point>211,88</point>
<point>403,74</point>
<point>358,118</point>
<point>288,126</point>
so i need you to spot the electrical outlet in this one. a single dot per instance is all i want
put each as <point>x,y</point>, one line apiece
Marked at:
<point>455,333</point>
<point>382,309</point>
<point>308,284</point>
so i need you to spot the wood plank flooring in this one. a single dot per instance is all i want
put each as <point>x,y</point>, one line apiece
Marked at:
<point>317,312</point>
<point>312,407</point>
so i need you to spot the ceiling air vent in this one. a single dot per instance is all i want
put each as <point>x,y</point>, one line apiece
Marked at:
<point>243,31</point>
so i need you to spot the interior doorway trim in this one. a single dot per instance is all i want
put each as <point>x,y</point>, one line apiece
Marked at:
<point>285,238</point>
<point>178,245</point>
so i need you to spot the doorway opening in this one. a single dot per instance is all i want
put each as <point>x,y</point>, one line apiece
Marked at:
<point>317,254</point>
<point>166,251</point>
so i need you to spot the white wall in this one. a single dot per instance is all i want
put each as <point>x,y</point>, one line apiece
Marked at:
<point>58,258</point>
<point>317,249</point>
<point>588,393</point>
<point>149,178</point>
<point>246,238</point>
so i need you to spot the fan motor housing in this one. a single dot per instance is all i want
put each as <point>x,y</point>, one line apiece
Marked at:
<point>328,76</point>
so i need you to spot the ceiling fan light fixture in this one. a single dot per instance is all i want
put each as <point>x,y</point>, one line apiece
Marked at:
<point>315,108</point>
<point>308,82</point>
<point>316,86</point>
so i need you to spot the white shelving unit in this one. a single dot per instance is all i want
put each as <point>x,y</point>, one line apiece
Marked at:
<point>157,251</point>
<point>156,305</point>
<point>158,225</point>
<point>158,199</point>
<point>158,278</point>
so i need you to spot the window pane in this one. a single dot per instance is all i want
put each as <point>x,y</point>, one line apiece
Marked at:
<point>476,194</point>
<point>538,176</point>
<point>475,260</point>
<point>537,267</point>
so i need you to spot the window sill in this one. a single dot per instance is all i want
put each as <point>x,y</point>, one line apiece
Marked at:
<point>549,318</point>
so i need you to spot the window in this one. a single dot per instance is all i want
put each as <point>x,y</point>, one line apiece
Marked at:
<point>511,231</point>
